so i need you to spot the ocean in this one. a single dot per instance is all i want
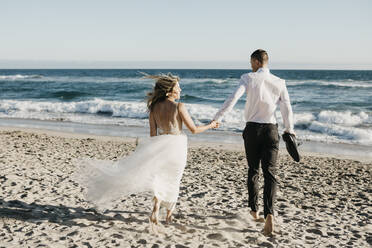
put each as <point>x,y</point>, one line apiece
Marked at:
<point>330,106</point>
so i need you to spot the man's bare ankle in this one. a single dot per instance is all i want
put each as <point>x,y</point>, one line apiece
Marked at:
<point>269,217</point>
<point>254,214</point>
<point>269,224</point>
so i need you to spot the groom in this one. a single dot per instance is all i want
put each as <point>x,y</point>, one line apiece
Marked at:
<point>261,139</point>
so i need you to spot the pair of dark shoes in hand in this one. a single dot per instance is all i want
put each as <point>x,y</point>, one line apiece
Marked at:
<point>291,145</point>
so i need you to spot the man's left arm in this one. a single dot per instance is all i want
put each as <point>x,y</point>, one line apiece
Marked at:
<point>286,110</point>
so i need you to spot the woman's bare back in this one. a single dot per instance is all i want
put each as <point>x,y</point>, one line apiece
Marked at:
<point>167,117</point>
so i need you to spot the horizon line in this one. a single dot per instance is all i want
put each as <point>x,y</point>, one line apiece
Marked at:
<point>179,68</point>
<point>186,65</point>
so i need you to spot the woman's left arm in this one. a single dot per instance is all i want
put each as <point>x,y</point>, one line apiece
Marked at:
<point>153,127</point>
<point>190,123</point>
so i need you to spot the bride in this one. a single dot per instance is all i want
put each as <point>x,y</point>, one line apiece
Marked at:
<point>157,164</point>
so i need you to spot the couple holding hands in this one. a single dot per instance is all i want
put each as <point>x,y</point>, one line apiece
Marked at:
<point>158,163</point>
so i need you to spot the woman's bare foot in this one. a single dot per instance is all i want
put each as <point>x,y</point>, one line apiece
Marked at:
<point>169,218</point>
<point>155,212</point>
<point>256,217</point>
<point>153,218</point>
<point>269,225</point>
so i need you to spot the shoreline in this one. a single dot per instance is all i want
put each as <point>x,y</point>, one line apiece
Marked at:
<point>315,149</point>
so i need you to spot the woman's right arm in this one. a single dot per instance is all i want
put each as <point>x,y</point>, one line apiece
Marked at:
<point>190,123</point>
<point>153,127</point>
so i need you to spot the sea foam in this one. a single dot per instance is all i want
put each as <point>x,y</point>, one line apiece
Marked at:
<point>19,77</point>
<point>96,106</point>
<point>344,127</point>
<point>343,83</point>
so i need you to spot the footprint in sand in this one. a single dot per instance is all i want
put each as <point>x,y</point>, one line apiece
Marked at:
<point>315,231</point>
<point>215,236</point>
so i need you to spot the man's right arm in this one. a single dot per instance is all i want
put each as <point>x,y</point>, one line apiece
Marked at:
<point>231,101</point>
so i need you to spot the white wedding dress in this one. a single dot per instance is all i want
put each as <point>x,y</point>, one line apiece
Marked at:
<point>156,166</point>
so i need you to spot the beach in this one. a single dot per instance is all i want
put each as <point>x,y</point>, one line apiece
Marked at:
<point>83,86</point>
<point>322,201</point>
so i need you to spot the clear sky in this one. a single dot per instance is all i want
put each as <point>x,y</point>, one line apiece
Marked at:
<point>316,34</point>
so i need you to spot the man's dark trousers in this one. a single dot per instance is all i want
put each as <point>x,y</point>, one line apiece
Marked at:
<point>261,141</point>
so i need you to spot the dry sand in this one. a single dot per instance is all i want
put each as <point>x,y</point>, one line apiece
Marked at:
<point>321,202</point>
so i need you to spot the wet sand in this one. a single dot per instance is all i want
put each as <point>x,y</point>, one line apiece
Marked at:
<point>322,201</point>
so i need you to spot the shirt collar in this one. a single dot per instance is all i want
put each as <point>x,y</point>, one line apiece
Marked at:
<point>263,69</point>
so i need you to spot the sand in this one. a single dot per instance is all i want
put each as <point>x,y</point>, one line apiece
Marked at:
<point>322,201</point>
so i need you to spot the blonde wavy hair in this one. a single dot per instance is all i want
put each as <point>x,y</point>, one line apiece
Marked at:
<point>163,86</point>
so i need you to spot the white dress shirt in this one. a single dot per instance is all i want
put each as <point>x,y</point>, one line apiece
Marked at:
<point>264,92</point>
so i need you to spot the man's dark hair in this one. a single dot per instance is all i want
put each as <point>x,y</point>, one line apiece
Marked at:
<point>260,55</point>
